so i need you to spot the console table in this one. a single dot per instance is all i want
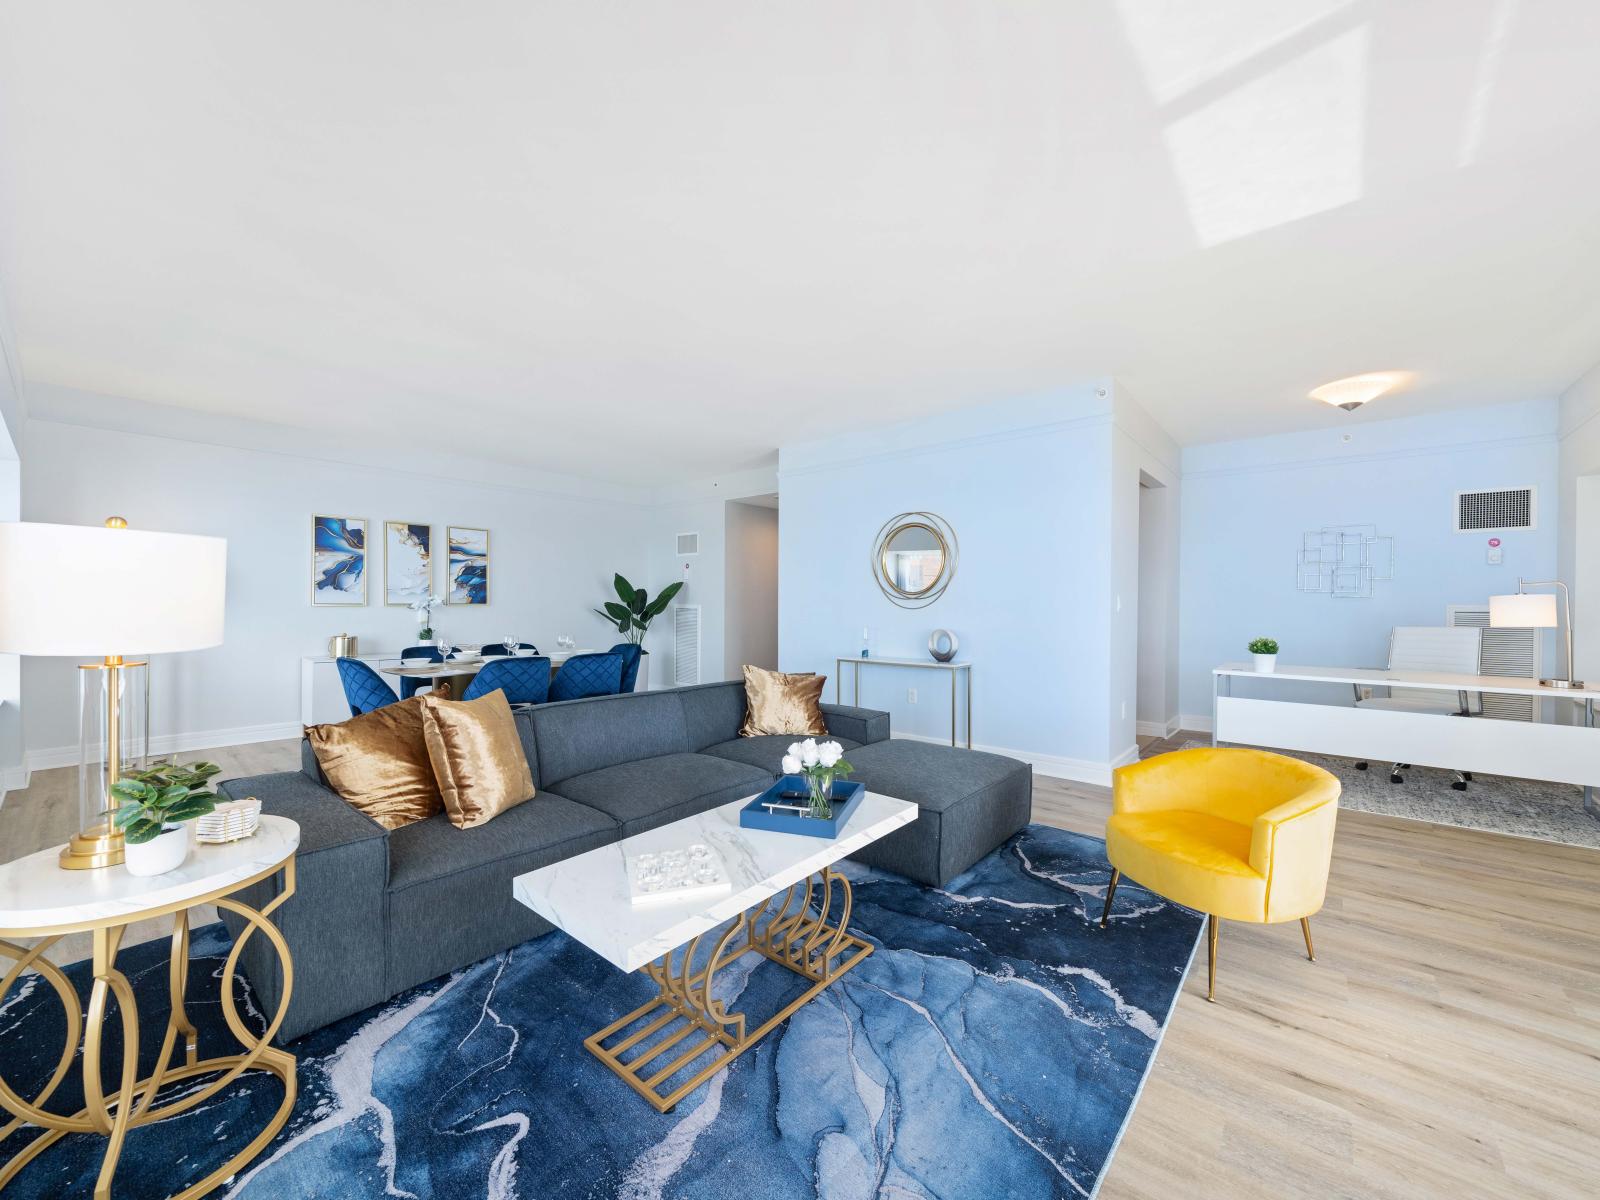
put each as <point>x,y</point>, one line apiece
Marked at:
<point>955,670</point>
<point>40,900</point>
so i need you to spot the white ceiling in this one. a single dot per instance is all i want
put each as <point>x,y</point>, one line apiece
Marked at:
<point>641,241</point>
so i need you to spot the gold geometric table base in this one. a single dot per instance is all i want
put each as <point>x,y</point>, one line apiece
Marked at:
<point>132,1104</point>
<point>693,1024</point>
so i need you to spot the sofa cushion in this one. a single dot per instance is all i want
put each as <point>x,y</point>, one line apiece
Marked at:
<point>765,750</point>
<point>450,896</point>
<point>969,802</point>
<point>712,712</point>
<point>655,791</point>
<point>577,736</point>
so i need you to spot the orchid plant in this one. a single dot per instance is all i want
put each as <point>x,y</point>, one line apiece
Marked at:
<point>424,610</point>
<point>818,764</point>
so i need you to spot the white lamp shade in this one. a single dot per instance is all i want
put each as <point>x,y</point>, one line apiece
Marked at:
<point>1522,612</point>
<point>85,590</point>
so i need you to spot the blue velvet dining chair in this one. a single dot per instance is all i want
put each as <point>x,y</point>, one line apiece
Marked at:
<point>523,680</point>
<point>502,648</point>
<point>410,687</point>
<point>588,675</point>
<point>364,688</point>
<point>630,655</point>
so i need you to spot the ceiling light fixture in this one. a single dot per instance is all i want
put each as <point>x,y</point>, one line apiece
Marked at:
<point>1350,394</point>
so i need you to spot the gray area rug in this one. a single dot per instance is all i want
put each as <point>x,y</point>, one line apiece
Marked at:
<point>1551,812</point>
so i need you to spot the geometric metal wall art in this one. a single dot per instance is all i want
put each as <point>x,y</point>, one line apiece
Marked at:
<point>1344,561</point>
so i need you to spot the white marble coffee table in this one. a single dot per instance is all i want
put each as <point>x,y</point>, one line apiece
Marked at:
<point>587,897</point>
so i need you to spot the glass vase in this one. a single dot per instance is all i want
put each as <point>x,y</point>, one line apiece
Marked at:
<point>821,784</point>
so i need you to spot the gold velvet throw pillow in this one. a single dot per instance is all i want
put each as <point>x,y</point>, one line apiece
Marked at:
<point>477,757</point>
<point>779,703</point>
<point>378,762</point>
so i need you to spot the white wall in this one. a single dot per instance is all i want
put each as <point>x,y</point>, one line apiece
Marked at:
<point>1158,610</point>
<point>1026,486</point>
<point>552,558</point>
<point>750,607</point>
<point>1579,534</point>
<point>1246,504</point>
<point>12,415</point>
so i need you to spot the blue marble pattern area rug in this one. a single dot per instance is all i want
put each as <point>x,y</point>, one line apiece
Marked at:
<point>992,1046</point>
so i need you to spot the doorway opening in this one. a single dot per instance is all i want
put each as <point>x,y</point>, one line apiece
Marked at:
<point>1156,673</point>
<point>750,603</point>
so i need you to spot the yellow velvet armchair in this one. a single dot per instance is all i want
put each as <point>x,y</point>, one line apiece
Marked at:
<point>1239,834</point>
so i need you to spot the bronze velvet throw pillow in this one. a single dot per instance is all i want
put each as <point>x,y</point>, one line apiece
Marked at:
<point>378,762</point>
<point>779,703</point>
<point>477,757</point>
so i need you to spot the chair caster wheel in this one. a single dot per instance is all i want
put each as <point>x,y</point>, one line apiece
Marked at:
<point>1361,766</point>
<point>1459,785</point>
<point>1397,779</point>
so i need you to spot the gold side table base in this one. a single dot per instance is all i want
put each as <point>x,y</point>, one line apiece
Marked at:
<point>133,1104</point>
<point>694,1024</point>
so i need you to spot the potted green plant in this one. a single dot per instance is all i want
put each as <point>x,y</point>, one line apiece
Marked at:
<point>153,809</point>
<point>632,616</point>
<point>1265,652</point>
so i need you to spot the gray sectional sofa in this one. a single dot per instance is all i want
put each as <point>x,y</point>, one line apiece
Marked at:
<point>376,912</point>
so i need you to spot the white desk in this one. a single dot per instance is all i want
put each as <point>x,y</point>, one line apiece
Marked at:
<point>1521,749</point>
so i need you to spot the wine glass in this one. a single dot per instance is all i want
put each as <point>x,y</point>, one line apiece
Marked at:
<point>444,648</point>
<point>510,643</point>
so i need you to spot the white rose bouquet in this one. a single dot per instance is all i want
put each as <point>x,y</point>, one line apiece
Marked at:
<point>818,765</point>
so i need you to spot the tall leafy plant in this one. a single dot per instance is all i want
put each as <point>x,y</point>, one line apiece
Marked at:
<point>632,616</point>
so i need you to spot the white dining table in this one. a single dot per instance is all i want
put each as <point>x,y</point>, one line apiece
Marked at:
<point>456,667</point>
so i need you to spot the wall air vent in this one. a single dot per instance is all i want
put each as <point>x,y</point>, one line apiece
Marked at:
<point>1512,508</point>
<point>686,645</point>
<point>688,543</point>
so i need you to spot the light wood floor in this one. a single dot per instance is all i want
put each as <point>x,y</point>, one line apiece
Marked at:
<point>1446,1042</point>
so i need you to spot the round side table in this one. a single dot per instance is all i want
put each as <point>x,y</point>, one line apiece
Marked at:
<point>40,900</point>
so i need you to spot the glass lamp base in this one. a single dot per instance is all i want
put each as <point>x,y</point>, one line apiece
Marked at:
<point>1561,683</point>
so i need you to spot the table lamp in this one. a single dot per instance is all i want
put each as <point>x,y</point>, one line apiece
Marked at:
<point>79,590</point>
<point>1523,611</point>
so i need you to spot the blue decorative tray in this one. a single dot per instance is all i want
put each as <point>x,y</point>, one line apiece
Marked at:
<point>846,796</point>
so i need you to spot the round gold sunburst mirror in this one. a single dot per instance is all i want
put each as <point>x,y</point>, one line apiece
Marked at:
<point>914,558</point>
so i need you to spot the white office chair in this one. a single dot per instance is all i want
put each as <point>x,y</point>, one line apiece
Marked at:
<point>1446,649</point>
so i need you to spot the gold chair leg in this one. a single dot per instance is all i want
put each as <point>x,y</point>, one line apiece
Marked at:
<point>1111,890</point>
<point>1305,928</point>
<point>1211,957</point>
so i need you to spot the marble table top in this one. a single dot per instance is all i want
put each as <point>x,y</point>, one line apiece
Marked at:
<point>587,895</point>
<point>37,896</point>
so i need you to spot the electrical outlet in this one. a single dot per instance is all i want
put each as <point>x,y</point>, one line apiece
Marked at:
<point>911,695</point>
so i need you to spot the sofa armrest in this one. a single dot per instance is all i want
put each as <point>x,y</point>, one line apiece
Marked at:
<point>862,725</point>
<point>325,819</point>
<point>334,923</point>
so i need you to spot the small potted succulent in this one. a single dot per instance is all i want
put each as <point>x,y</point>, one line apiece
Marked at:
<point>818,765</point>
<point>153,809</point>
<point>1265,652</point>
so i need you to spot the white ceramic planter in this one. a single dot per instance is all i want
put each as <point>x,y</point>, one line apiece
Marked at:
<point>162,853</point>
<point>1266,664</point>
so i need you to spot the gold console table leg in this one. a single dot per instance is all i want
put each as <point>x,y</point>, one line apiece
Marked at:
<point>133,1103</point>
<point>694,1024</point>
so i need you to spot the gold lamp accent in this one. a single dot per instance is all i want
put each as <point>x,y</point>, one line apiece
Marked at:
<point>80,590</point>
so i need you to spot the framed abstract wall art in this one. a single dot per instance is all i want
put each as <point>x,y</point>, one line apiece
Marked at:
<point>407,562</point>
<point>338,560</point>
<point>468,580</point>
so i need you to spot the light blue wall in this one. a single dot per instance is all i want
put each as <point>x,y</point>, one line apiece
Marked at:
<point>1245,505</point>
<point>1026,485</point>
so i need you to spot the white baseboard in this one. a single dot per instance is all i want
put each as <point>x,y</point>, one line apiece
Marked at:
<point>1196,722</point>
<point>1080,770</point>
<point>52,757</point>
<point>1156,729</point>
